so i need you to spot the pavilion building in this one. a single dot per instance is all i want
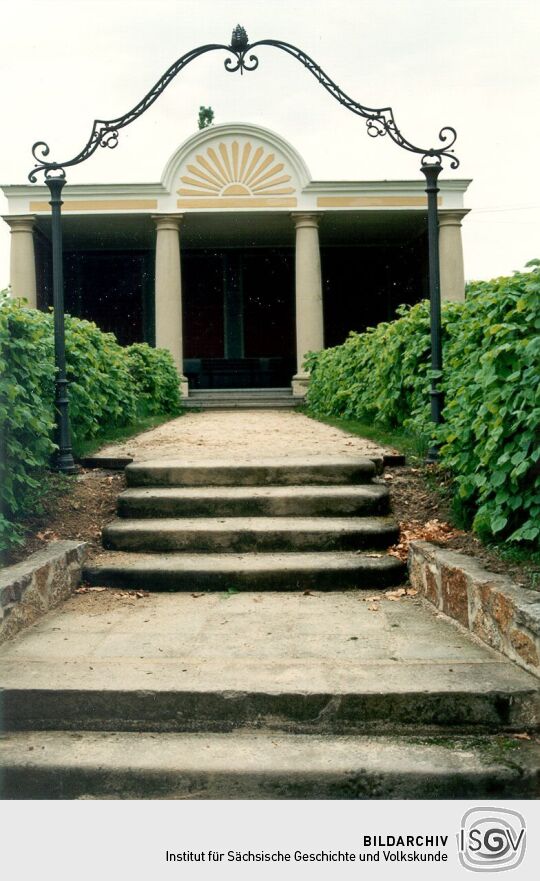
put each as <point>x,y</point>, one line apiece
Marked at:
<point>237,261</point>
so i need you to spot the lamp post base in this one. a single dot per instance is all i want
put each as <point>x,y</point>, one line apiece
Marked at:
<point>432,456</point>
<point>64,463</point>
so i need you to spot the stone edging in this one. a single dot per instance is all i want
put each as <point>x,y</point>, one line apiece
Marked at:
<point>31,588</point>
<point>499,612</point>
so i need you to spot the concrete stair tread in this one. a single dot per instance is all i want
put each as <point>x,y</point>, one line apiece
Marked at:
<point>254,561</point>
<point>254,524</point>
<point>293,470</point>
<point>375,491</point>
<point>237,678</point>
<point>326,570</point>
<point>230,534</point>
<point>321,461</point>
<point>230,399</point>
<point>254,501</point>
<point>60,764</point>
<point>285,391</point>
<point>238,404</point>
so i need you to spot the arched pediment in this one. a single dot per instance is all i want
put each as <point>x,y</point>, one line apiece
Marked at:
<point>235,165</point>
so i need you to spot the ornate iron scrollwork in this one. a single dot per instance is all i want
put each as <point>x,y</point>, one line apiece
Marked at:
<point>239,46</point>
<point>380,121</point>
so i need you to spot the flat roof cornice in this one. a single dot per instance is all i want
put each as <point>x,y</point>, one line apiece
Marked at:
<point>157,189</point>
<point>458,184</point>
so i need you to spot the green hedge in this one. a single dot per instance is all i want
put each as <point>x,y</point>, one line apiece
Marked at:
<point>110,387</point>
<point>489,440</point>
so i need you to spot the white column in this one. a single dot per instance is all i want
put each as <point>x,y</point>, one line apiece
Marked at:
<point>168,291</point>
<point>23,258</point>
<point>451,255</point>
<point>309,302</point>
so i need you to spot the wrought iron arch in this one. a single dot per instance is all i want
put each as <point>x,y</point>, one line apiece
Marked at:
<point>380,121</point>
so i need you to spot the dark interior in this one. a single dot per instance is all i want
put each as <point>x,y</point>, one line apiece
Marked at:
<point>238,303</point>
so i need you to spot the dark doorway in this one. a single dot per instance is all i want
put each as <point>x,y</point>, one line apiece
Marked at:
<point>239,328</point>
<point>114,289</point>
<point>364,285</point>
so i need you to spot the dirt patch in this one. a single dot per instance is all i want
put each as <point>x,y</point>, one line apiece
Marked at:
<point>78,511</point>
<point>94,601</point>
<point>424,514</point>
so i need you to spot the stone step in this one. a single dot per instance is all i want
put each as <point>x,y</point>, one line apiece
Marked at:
<point>306,695</point>
<point>270,501</point>
<point>244,534</point>
<point>281,392</point>
<point>227,399</point>
<point>277,403</point>
<point>288,572</point>
<point>62,765</point>
<point>291,471</point>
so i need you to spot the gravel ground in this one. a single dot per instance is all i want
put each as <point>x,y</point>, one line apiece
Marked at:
<point>246,434</point>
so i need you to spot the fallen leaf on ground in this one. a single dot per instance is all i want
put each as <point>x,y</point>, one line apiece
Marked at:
<point>433,530</point>
<point>523,736</point>
<point>90,589</point>
<point>47,535</point>
<point>373,608</point>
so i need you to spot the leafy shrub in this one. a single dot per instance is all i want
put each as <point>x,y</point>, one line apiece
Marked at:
<point>110,387</point>
<point>380,375</point>
<point>101,392</point>
<point>26,421</point>
<point>491,351</point>
<point>491,439</point>
<point>154,375</point>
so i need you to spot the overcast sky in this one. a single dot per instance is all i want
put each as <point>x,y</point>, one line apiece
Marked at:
<point>472,64</point>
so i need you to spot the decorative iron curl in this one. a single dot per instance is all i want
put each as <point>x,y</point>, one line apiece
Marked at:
<point>380,121</point>
<point>109,139</point>
<point>241,63</point>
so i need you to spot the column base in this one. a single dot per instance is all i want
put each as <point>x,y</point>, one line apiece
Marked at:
<point>299,385</point>
<point>184,386</point>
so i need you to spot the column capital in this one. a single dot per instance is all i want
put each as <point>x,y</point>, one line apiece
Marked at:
<point>20,222</point>
<point>167,221</point>
<point>303,219</point>
<point>452,217</point>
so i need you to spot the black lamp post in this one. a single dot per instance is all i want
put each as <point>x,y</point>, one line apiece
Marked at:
<point>432,174</point>
<point>63,459</point>
<point>380,121</point>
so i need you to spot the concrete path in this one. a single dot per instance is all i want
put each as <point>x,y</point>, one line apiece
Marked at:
<point>246,434</point>
<point>344,638</point>
<point>225,645</point>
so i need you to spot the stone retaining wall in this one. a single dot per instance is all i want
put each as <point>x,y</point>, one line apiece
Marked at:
<point>502,614</point>
<point>31,588</point>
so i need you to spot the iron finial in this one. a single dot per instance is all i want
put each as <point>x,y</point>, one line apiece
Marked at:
<point>239,39</point>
